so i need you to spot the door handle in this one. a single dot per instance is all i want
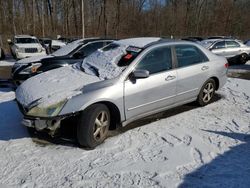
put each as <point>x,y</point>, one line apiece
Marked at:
<point>205,68</point>
<point>170,78</point>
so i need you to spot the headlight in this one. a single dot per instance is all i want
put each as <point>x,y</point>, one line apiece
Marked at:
<point>31,69</point>
<point>49,111</point>
<point>20,50</point>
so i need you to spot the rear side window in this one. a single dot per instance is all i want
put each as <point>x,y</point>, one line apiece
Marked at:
<point>232,44</point>
<point>219,45</point>
<point>158,60</point>
<point>189,55</point>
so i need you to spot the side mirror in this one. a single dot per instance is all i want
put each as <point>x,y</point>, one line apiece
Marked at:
<point>9,41</point>
<point>140,74</point>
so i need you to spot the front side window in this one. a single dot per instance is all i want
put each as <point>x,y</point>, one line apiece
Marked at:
<point>219,45</point>
<point>232,44</point>
<point>157,60</point>
<point>189,55</point>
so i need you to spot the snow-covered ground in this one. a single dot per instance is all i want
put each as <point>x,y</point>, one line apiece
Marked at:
<point>187,146</point>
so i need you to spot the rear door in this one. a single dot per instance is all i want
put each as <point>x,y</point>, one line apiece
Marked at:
<point>219,48</point>
<point>233,49</point>
<point>155,92</point>
<point>192,71</point>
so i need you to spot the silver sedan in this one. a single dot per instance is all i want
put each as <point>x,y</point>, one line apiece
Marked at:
<point>234,50</point>
<point>125,81</point>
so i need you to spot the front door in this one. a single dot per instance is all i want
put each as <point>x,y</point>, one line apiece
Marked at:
<point>155,92</point>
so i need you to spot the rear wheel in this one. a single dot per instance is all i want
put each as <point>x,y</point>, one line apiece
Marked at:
<point>206,93</point>
<point>93,125</point>
<point>243,58</point>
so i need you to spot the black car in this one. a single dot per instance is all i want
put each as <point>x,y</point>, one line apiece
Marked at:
<point>193,39</point>
<point>72,53</point>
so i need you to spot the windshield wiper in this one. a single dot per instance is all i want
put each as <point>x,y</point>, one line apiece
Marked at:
<point>95,70</point>
<point>91,68</point>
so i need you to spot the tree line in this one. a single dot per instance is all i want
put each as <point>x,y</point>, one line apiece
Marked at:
<point>125,18</point>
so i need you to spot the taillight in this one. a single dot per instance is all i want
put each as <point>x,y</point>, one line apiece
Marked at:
<point>226,65</point>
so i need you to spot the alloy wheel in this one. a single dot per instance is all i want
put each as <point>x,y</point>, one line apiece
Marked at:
<point>101,125</point>
<point>208,92</point>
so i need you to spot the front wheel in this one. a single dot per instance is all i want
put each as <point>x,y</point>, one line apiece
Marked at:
<point>93,125</point>
<point>206,93</point>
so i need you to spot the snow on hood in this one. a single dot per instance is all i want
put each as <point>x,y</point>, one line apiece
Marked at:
<point>138,42</point>
<point>65,50</point>
<point>33,59</point>
<point>53,86</point>
<point>105,62</point>
<point>29,45</point>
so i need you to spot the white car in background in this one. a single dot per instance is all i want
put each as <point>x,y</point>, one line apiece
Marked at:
<point>24,46</point>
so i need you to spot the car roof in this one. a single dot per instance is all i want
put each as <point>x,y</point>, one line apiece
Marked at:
<point>145,42</point>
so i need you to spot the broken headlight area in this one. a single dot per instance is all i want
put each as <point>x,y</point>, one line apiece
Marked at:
<point>31,69</point>
<point>50,111</point>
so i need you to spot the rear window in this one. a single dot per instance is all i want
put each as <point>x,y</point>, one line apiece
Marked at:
<point>189,55</point>
<point>232,44</point>
<point>132,53</point>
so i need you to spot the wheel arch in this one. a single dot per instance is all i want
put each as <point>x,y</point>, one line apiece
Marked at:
<point>115,113</point>
<point>217,82</point>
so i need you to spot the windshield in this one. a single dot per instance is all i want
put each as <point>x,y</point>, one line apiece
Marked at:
<point>26,40</point>
<point>65,50</point>
<point>109,62</point>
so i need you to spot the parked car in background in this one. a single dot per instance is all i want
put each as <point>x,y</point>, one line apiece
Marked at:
<point>247,42</point>
<point>124,81</point>
<point>193,39</point>
<point>70,54</point>
<point>2,54</point>
<point>220,37</point>
<point>23,46</point>
<point>51,45</point>
<point>233,50</point>
<point>56,45</point>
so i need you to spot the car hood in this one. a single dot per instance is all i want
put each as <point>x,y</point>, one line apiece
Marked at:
<point>29,45</point>
<point>53,86</point>
<point>34,59</point>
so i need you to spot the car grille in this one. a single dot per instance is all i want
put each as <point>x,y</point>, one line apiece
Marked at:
<point>31,50</point>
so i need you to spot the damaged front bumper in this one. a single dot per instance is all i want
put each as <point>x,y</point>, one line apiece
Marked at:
<point>50,125</point>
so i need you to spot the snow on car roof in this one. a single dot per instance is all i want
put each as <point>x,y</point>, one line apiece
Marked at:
<point>138,42</point>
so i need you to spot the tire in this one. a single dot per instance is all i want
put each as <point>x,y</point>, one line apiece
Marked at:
<point>206,93</point>
<point>243,58</point>
<point>93,126</point>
